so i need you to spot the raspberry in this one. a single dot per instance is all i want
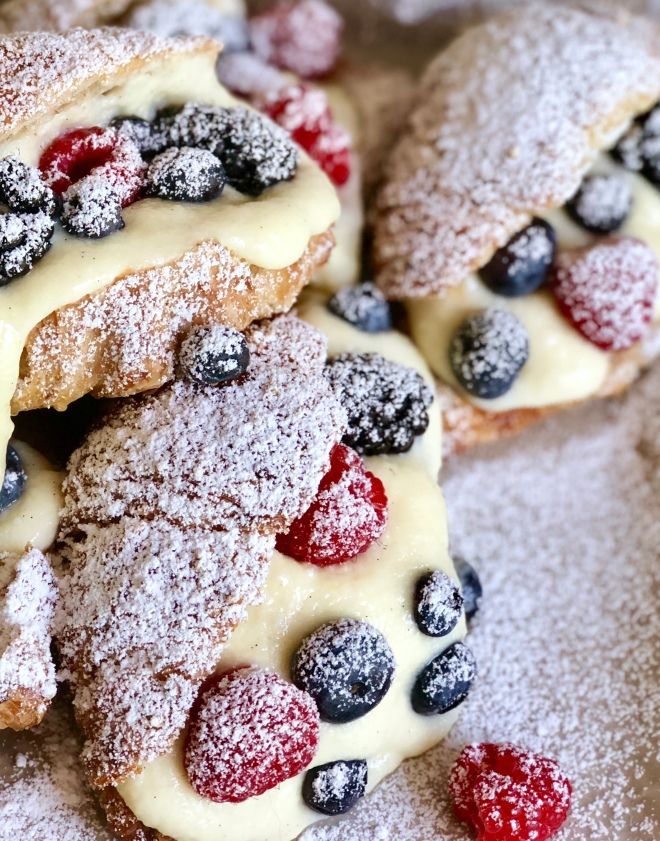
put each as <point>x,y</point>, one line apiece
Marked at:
<point>347,516</point>
<point>607,291</point>
<point>305,113</point>
<point>509,794</point>
<point>304,37</point>
<point>249,731</point>
<point>102,152</point>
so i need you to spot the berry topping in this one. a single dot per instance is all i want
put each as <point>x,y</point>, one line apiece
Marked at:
<point>521,266</point>
<point>213,355</point>
<point>487,352</point>
<point>639,148</point>
<point>334,788</point>
<point>602,203</point>
<point>470,586</point>
<point>249,731</point>
<point>507,793</point>
<point>143,133</point>
<point>305,113</point>
<point>445,682</point>
<point>198,126</point>
<point>386,402</point>
<point>185,174</point>
<point>92,209</point>
<point>348,515</point>
<point>363,306</point>
<point>438,604</point>
<point>607,291</point>
<point>248,75</point>
<point>346,666</point>
<point>14,479</point>
<point>303,36</point>
<point>22,188</point>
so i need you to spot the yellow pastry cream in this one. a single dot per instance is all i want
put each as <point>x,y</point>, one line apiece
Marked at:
<point>271,231</point>
<point>377,587</point>
<point>562,365</point>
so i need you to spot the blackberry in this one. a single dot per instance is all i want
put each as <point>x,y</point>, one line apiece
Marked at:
<point>386,402</point>
<point>185,174</point>
<point>198,126</point>
<point>346,666</point>
<point>92,208</point>
<point>364,306</point>
<point>521,266</point>
<point>602,203</point>
<point>14,479</point>
<point>335,787</point>
<point>144,133</point>
<point>438,604</point>
<point>22,189</point>
<point>445,682</point>
<point>213,355</point>
<point>487,352</point>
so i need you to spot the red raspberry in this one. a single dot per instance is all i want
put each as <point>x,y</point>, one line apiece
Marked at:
<point>249,731</point>
<point>347,516</point>
<point>95,150</point>
<point>509,794</point>
<point>305,113</point>
<point>304,37</point>
<point>607,291</point>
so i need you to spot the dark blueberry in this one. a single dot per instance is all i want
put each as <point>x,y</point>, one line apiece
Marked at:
<point>602,203</point>
<point>91,209</point>
<point>22,189</point>
<point>256,153</point>
<point>445,682</point>
<point>16,260</point>
<point>639,148</point>
<point>346,666</point>
<point>386,403</point>
<point>334,788</point>
<point>470,586</point>
<point>212,355</point>
<point>144,133</point>
<point>522,265</point>
<point>185,174</point>
<point>487,352</point>
<point>14,479</point>
<point>438,604</point>
<point>363,306</point>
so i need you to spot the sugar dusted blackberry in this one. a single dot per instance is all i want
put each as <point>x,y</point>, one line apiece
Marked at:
<point>386,402</point>
<point>364,306</point>
<point>92,208</point>
<point>487,352</point>
<point>602,204</point>
<point>34,241</point>
<point>346,666</point>
<point>144,133</point>
<point>334,788</point>
<point>213,355</point>
<point>445,682</point>
<point>438,604</point>
<point>14,479</point>
<point>22,189</point>
<point>198,126</point>
<point>521,266</point>
<point>185,174</point>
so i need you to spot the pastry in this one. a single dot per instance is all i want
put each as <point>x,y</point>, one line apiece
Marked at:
<point>519,220</point>
<point>100,284</point>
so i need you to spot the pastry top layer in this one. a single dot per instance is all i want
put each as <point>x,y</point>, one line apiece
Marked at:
<point>170,515</point>
<point>42,71</point>
<point>508,120</point>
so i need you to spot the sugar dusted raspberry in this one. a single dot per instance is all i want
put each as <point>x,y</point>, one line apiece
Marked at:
<point>249,731</point>
<point>304,112</point>
<point>348,515</point>
<point>607,291</point>
<point>508,793</point>
<point>304,37</point>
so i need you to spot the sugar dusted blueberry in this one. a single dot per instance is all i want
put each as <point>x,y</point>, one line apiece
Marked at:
<point>214,354</point>
<point>185,174</point>
<point>602,204</point>
<point>335,787</point>
<point>438,604</point>
<point>471,589</point>
<point>445,682</point>
<point>522,265</point>
<point>13,483</point>
<point>364,306</point>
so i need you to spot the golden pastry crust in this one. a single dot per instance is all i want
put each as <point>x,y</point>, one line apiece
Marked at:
<point>123,339</point>
<point>507,121</point>
<point>123,822</point>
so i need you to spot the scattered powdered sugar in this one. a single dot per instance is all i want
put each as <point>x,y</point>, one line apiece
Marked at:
<point>532,244</point>
<point>603,199</point>
<point>190,17</point>
<point>171,509</point>
<point>27,603</point>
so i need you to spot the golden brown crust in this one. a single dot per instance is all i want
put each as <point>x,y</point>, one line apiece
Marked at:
<point>123,822</point>
<point>124,339</point>
<point>25,708</point>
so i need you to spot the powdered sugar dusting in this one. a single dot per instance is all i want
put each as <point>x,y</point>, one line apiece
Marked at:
<point>190,17</point>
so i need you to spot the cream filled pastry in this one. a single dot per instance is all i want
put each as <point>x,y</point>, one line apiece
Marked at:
<point>361,611</point>
<point>130,219</point>
<point>522,228</point>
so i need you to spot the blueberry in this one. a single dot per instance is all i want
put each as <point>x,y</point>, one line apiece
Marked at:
<point>91,209</point>
<point>602,203</point>
<point>144,133</point>
<point>522,265</point>
<point>213,355</point>
<point>363,306</point>
<point>185,174</point>
<point>639,148</point>
<point>438,604</point>
<point>470,586</point>
<point>487,352</point>
<point>22,188</point>
<point>334,788</point>
<point>445,682</point>
<point>346,666</point>
<point>386,403</point>
<point>14,480</point>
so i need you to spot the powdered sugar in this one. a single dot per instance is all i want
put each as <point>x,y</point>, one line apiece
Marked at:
<point>190,17</point>
<point>602,202</point>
